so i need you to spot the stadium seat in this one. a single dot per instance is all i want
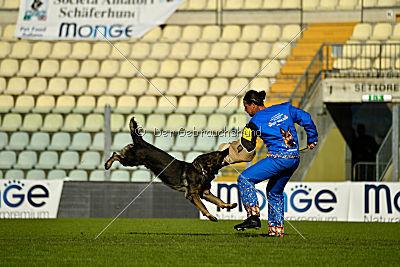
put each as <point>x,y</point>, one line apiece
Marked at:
<point>128,69</point>
<point>362,64</point>
<point>386,3</point>
<point>270,68</point>
<point>208,68</point>
<point>310,5</point>
<point>90,160</point>
<point>47,160</point>
<point>211,33</point>
<point>177,86</point>
<point>5,49</point>
<point>237,121</point>
<point>39,141</point>
<point>153,35</point>
<point>80,141</point>
<point>154,122</point>
<point>20,50</point>
<point>179,51</point>
<point>229,68</point>
<point>26,160</point>
<point>61,50</point>
<point>382,64</point>
<point>230,33</point>
<point>85,104</point>
<point>148,137</point>
<point>362,32</point>
<point>146,104</point>
<point>98,142</point>
<point>250,33</point>
<point>227,104</point>
<point>117,122</point>
<point>7,159</point>
<point>207,104</point>
<point>171,33</point>
<point>52,123</point>
<point>120,51</point>
<point>120,140</point>
<point>370,3</point>
<point>260,84</point>
<point>64,104</point>
<point>169,68</point>
<point>24,104</point>
<point>196,122</point>
<point>184,142</point>
<point>120,176</point>
<point>41,50</point>
<point>187,104</point>
<point>96,175</point>
<point>149,68</point>
<point>140,50</point>
<point>190,33</point>
<point>18,141</point>
<point>160,51</point>
<point>108,68</point>
<point>78,175</point>
<point>218,86</point>
<point>270,33</point>
<point>89,68</point>
<point>6,103</point>
<point>103,101</point>
<point>351,49</point>
<point>8,33</point>
<point>347,4</point>
<point>36,86</point>
<point>100,50</point>
<point>381,32</point>
<point>80,50</point>
<point>238,86</point>
<point>69,68</point>
<point>8,67</point>
<point>197,5</point>
<point>68,160</point>
<point>192,155</point>
<point>280,50</point>
<point>11,122</point>
<point>35,175</point>
<point>199,50</point>
<point>219,50</point>
<point>189,68</point>
<point>96,87</point>
<point>125,104</point>
<point>117,86</point>
<point>327,4</point>
<point>175,122</point>
<point>249,68</point>
<point>216,122</point>
<point>157,86</point>
<point>239,50</point>
<point>14,174</point>
<point>397,64</point>
<point>233,4</point>
<point>56,174</point>
<point>391,48</point>
<point>32,123</point>
<point>290,32</point>
<point>141,176</point>
<point>164,142</point>
<point>73,123</point>
<point>290,4</point>
<point>44,104</point>
<point>3,140</point>
<point>205,143</point>
<point>28,68</point>
<point>2,84</point>
<point>76,86</point>
<point>166,105</point>
<point>93,123</point>
<point>48,68</point>
<point>16,86</point>
<point>60,141</point>
<point>371,49</point>
<point>197,86</point>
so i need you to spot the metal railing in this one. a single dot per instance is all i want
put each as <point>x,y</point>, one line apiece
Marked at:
<point>384,156</point>
<point>364,171</point>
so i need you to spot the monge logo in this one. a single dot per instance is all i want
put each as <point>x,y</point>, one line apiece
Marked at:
<point>36,9</point>
<point>302,199</point>
<point>15,194</point>
<point>373,195</point>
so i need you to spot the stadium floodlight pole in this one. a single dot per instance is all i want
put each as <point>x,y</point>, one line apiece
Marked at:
<point>133,65</point>
<point>266,200</point>
<point>269,62</point>
<point>133,200</point>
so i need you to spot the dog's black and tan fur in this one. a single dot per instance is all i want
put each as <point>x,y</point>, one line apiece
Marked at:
<point>192,178</point>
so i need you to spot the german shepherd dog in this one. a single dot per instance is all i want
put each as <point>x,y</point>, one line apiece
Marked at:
<point>288,138</point>
<point>192,178</point>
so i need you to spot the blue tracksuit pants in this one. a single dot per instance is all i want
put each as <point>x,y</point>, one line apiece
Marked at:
<point>278,171</point>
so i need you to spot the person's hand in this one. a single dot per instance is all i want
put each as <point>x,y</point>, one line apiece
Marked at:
<point>312,145</point>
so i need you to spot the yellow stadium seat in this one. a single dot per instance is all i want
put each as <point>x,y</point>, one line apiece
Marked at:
<point>109,68</point>
<point>137,86</point>
<point>69,68</point>
<point>351,49</point>
<point>197,4</point>
<point>166,104</point>
<point>24,104</point>
<point>199,50</point>
<point>2,84</point>
<point>211,33</point>
<point>270,33</point>
<point>381,32</point>
<point>29,68</point>
<point>120,50</point>
<point>16,86</point>
<point>149,68</point>
<point>160,51</point>
<point>189,68</point>
<point>219,50</point>
<point>11,4</point>
<point>272,4</point>
<point>391,48</point>
<point>72,123</point>
<point>253,4</point>
<point>155,121</point>
<point>207,104</point>
<point>362,32</point>
<point>89,68</point>
<point>230,33</point>
<point>97,86</point>
<point>386,3</point>
<point>260,84</point>
<point>153,35</point>
<point>175,122</point>
<point>187,104</point>
<point>197,86</point>
<point>382,64</point>
<point>249,68</point>
<point>238,86</point>
<point>177,86</point>
<point>290,32</point>
<point>280,50</point>
<point>347,4</point>
<point>6,103</point>
<point>11,122</point>
<point>8,67</point>
<point>216,122</point>
<point>250,33</point>
<point>169,68</point>
<point>49,68</point>
<point>20,50</point>
<point>57,86</point>
<point>100,50</point>
<point>8,33</point>
<point>260,50</point>
<point>61,50</point>
<point>52,123</point>
<point>128,69</point>
<point>125,104</point>
<point>179,51</point>
<point>269,68</point>
<point>41,50</point>
<point>227,105</point>
<point>85,104</point>
<point>157,86</point>
<point>290,4</point>
<point>146,104</point>
<point>64,104</point>
<point>190,33</point>
<point>327,4</point>
<point>362,64</point>
<point>310,5</point>
<point>117,86</point>
<point>103,101</point>
<point>239,50</point>
<point>229,68</point>
<point>218,86</point>
<point>171,33</point>
<point>76,86</point>
<point>80,50</point>
<point>44,104</point>
<point>371,49</point>
<point>233,4</point>
<point>5,49</point>
<point>208,68</point>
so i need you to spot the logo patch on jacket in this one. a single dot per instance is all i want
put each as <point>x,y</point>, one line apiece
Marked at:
<point>288,138</point>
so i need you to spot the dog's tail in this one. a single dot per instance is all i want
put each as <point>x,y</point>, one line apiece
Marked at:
<point>136,132</point>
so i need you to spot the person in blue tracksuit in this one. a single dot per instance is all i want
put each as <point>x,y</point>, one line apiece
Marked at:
<point>275,126</point>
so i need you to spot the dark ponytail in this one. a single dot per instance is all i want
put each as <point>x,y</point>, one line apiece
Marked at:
<point>255,97</point>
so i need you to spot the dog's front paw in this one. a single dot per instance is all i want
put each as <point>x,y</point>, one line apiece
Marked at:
<point>212,218</point>
<point>232,206</point>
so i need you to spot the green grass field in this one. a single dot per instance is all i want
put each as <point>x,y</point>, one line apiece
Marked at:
<point>194,242</point>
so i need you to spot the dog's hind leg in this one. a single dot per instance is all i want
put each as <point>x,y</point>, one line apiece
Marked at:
<point>110,161</point>
<point>195,199</point>
<point>207,195</point>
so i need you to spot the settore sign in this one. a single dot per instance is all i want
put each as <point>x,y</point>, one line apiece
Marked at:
<point>29,199</point>
<point>361,90</point>
<point>91,19</point>
<point>359,202</point>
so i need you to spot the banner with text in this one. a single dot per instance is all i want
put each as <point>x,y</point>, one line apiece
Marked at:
<point>91,19</point>
<point>318,201</point>
<point>29,199</point>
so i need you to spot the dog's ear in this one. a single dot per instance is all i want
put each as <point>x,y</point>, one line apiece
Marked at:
<point>282,131</point>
